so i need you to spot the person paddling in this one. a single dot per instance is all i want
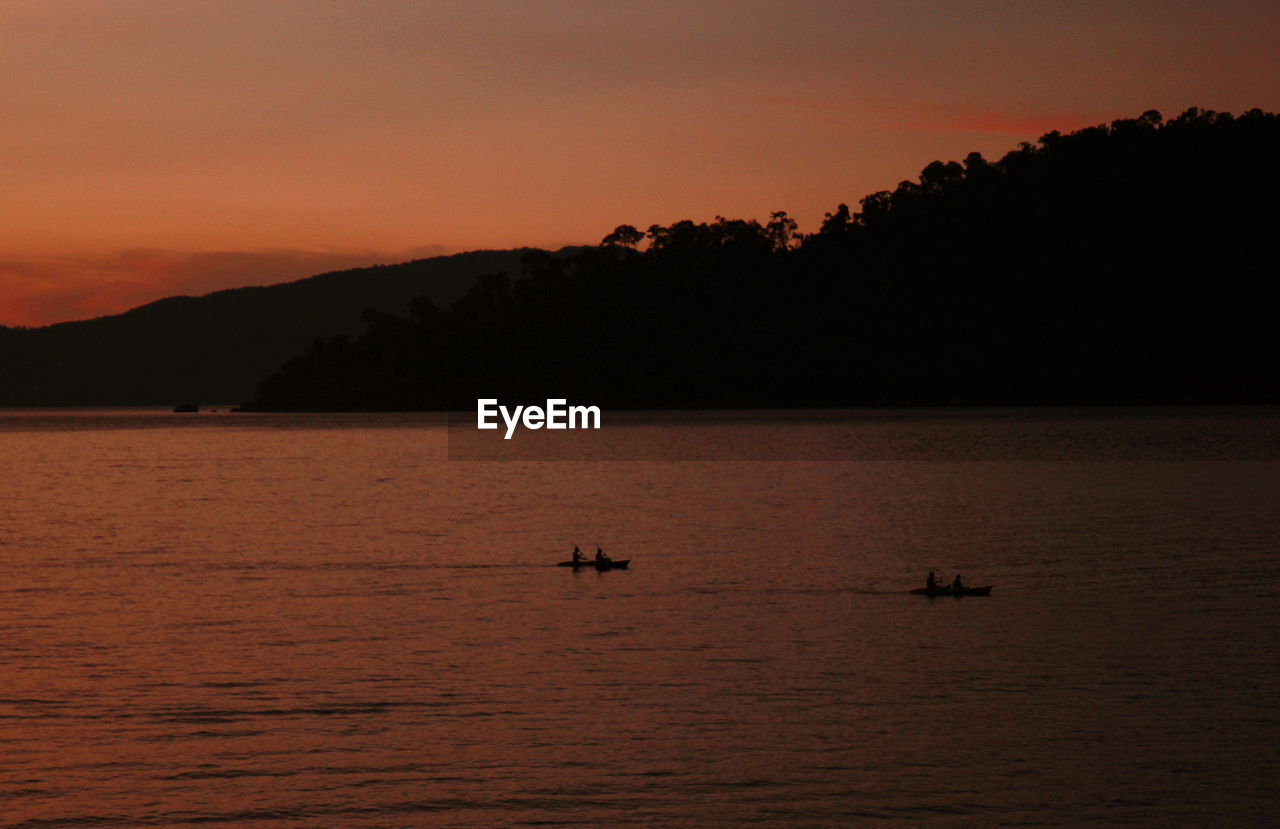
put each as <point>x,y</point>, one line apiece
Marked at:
<point>601,558</point>
<point>931,583</point>
<point>578,555</point>
<point>956,585</point>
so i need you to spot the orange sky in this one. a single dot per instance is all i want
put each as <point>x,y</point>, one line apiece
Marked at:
<point>156,147</point>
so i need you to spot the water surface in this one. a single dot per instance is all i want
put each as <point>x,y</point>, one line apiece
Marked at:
<point>321,621</point>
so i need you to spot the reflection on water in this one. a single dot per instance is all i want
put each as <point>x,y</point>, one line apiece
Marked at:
<point>321,622</point>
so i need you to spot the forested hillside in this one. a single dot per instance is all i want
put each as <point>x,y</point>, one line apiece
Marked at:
<point>1126,263</point>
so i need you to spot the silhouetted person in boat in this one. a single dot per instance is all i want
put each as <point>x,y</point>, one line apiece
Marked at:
<point>601,558</point>
<point>956,585</point>
<point>578,555</point>
<point>931,583</point>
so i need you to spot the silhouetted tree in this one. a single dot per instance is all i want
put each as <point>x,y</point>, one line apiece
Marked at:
<point>624,235</point>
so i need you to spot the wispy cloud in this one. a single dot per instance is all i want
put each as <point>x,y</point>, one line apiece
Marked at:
<point>1025,127</point>
<point>863,117</point>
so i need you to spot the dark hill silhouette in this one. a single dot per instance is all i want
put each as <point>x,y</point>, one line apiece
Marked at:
<point>1124,263</point>
<point>216,348</point>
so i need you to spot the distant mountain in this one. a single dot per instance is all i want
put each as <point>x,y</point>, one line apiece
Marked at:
<point>216,348</point>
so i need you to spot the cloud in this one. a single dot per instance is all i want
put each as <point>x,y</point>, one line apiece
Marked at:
<point>930,119</point>
<point>1026,127</point>
<point>36,292</point>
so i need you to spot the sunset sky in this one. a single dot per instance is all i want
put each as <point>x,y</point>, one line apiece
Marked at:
<point>160,147</point>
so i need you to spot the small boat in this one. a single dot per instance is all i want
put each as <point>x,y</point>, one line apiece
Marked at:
<point>946,590</point>
<point>608,564</point>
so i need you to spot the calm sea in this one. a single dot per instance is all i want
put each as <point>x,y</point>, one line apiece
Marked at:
<point>252,620</point>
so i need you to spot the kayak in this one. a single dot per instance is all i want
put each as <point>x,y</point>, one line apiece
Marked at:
<point>611,564</point>
<point>945,590</point>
